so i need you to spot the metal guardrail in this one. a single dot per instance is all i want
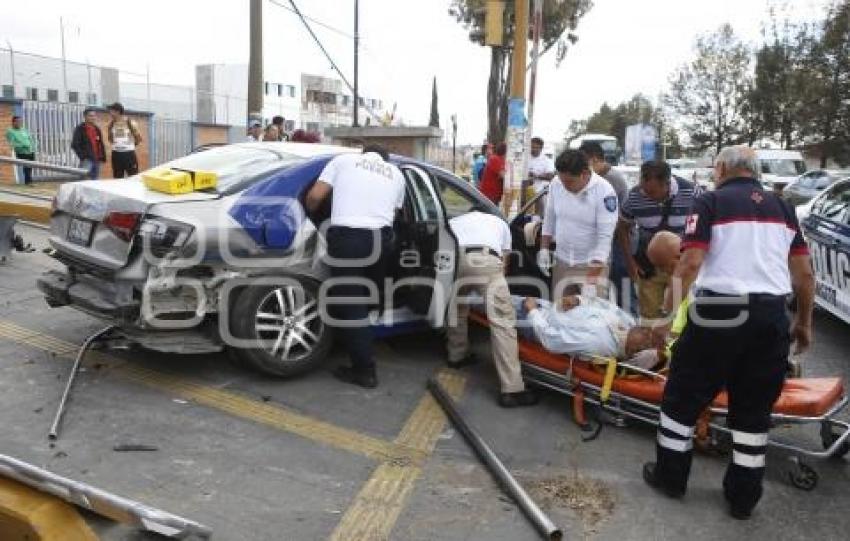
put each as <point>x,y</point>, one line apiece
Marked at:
<point>103,503</point>
<point>75,171</point>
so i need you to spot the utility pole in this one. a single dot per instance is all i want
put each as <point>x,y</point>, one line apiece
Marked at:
<point>12,65</point>
<point>516,111</point>
<point>536,30</point>
<point>64,62</point>
<point>454,142</point>
<point>356,120</point>
<point>255,64</point>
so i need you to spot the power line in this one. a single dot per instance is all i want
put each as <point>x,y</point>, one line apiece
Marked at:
<point>328,56</point>
<point>314,21</point>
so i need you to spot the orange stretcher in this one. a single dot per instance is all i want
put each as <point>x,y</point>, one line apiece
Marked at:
<point>635,393</point>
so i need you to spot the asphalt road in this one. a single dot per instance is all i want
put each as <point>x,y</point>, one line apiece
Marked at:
<point>259,459</point>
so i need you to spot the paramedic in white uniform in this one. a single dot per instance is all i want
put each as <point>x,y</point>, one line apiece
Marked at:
<point>484,242</point>
<point>581,215</point>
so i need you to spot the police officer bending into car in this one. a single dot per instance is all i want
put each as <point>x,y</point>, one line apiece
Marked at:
<point>484,241</point>
<point>744,251</point>
<point>366,192</point>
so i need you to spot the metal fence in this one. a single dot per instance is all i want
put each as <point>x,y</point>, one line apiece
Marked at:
<point>173,139</point>
<point>52,126</point>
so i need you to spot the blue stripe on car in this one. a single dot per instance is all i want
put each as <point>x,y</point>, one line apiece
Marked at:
<point>270,211</point>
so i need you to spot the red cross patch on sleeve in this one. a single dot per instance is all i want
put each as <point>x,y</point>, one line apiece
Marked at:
<point>691,224</point>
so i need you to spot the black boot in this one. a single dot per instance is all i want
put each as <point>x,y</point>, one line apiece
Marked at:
<point>652,480</point>
<point>364,378</point>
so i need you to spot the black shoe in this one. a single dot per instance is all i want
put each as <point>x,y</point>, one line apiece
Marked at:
<point>519,399</point>
<point>739,514</point>
<point>349,375</point>
<point>653,481</point>
<point>469,360</point>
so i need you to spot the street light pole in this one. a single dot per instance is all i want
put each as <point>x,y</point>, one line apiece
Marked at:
<point>454,142</point>
<point>12,65</point>
<point>356,120</point>
<point>64,61</point>
<point>255,63</point>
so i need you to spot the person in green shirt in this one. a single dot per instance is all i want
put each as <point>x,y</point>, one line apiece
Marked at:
<point>663,252</point>
<point>22,144</point>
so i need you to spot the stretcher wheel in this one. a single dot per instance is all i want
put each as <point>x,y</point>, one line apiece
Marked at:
<point>828,437</point>
<point>803,476</point>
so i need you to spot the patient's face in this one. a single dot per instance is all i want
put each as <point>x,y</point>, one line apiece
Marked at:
<point>638,339</point>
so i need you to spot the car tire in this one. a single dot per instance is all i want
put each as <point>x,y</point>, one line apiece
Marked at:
<point>290,339</point>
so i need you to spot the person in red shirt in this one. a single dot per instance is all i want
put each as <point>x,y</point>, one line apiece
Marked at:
<point>493,178</point>
<point>87,144</point>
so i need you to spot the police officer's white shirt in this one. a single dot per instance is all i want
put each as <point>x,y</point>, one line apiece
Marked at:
<point>581,224</point>
<point>481,229</point>
<point>540,165</point>
<point>366,190</point>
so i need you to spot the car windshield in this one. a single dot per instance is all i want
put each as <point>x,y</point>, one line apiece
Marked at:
<point>783,168</point>
<point>235,164</point>
<point>608,146</point>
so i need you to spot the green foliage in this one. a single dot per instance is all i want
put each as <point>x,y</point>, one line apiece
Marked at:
<point>435,112</point>
<point>709,94</point>
<point>614,121</point>
<point>560,20</point>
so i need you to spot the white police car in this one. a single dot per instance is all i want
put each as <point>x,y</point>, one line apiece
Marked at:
<point>827,230</point>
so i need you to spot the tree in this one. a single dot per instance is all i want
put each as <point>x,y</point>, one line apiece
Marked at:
<point>435,113</point>
<point>827,67</point>
<point>709,93</point>
<point>775,105</point>
<point>560,20</point>
<point>614,121</point>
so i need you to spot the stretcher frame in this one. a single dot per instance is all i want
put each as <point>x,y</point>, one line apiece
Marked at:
<point>834,433</point>
<point>801,475</point>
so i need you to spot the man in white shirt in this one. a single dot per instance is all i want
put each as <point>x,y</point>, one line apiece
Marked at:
<point>541,168</point>
<point>484,241</point>
<point>581,215</point>
<point>366,192</point>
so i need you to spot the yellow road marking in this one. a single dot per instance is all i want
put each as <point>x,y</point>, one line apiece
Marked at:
<point>376,508</point>
<point>26,513</point>
<point>34,213</point>
<point>228,401</point>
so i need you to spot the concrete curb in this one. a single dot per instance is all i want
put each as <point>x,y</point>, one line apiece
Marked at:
<point>27,514</point>
<point>26,211</point>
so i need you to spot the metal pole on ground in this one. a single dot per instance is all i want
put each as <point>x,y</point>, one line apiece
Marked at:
<point>538,518</point>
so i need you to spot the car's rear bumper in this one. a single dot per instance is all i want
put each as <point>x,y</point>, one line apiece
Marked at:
<point>83,293</point>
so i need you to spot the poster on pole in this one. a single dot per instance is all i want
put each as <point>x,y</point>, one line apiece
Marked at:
<point>641,143</point>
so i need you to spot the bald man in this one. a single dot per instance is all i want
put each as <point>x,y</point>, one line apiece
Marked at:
<point>663,252</point>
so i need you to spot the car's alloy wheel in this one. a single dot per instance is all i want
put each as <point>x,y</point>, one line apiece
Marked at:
<point>288,324</point>
<point>283,326</point>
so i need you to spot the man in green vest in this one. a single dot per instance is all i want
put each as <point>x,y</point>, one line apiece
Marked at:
<point>22,144</point>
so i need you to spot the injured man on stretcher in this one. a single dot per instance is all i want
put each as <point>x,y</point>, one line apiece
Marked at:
<point>587,326</point>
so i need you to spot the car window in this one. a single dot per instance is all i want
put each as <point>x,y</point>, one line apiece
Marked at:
<point>824,182</point>
<point>427,208</point>
<point>783,168</point>
<point>456,201</point>
<point>234,164</point>
<point>835,206</point>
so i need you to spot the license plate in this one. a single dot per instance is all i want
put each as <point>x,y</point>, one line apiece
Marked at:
<point>79,231</point>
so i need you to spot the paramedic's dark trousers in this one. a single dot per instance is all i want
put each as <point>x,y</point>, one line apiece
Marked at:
<point>749,360</point>
<point>347,245</point>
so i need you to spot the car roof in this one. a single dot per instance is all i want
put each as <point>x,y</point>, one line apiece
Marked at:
<point>304,150</point>
<point>768,154</point>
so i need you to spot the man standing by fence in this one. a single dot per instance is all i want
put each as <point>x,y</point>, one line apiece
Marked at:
<point>87,144</point>
<point>124,137</point>
<point>22,144</point>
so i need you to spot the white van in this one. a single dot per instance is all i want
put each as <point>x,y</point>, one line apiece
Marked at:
<point>779,167</point>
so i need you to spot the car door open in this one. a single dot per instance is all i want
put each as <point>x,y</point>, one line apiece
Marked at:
<point>427,250</point>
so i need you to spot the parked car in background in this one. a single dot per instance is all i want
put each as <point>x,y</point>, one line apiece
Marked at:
<point>811,183</point>
<point>780,167</point>
<point>826,227</point>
